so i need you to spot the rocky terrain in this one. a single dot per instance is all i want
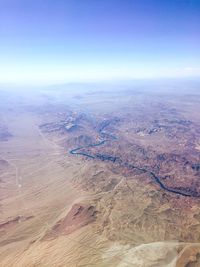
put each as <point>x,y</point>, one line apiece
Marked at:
<point>103,179</point>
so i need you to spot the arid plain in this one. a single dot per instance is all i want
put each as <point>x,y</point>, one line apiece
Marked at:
<point>100,175</point>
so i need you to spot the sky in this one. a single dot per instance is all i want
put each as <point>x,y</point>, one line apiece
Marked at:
<point>56,41</point>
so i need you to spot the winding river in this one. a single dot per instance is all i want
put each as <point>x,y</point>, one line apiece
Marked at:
<point>106,137</point>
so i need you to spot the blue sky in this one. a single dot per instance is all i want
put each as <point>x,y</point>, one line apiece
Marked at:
<point>81,40</point>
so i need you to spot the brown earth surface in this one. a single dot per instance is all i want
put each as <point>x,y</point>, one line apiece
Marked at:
<point>100,178</point>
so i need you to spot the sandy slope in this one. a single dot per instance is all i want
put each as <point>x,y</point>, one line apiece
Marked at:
<point>62,210</point>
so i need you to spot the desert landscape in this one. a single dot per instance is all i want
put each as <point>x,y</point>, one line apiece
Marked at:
<point>100,175</point>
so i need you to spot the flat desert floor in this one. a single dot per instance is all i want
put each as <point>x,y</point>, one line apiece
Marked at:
<point>98,175</point>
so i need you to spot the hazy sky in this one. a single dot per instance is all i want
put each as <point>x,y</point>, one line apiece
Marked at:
<point>71,40</point>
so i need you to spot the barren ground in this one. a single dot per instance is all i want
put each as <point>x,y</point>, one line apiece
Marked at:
<point>100,177</point>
